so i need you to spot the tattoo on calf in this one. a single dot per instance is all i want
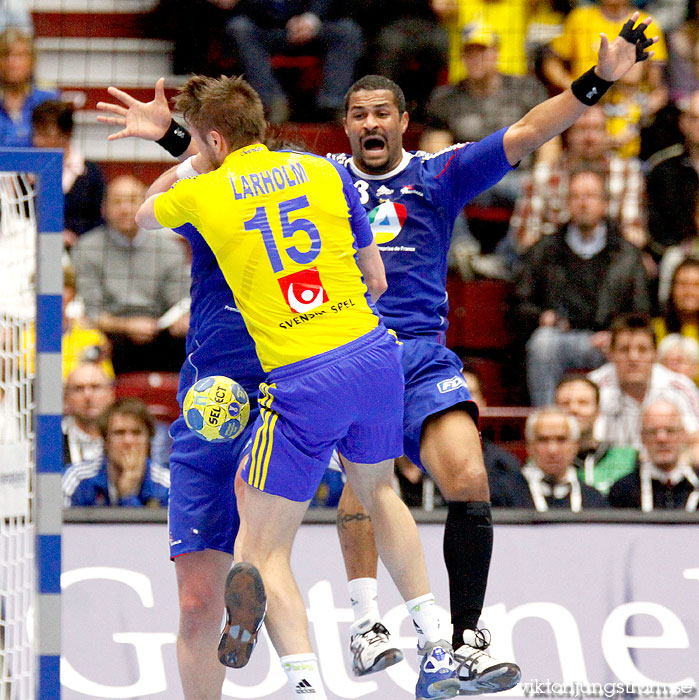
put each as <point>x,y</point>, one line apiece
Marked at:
<point>344,518</point>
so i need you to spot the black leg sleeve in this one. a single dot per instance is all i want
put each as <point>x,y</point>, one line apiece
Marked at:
<point>468,546</point>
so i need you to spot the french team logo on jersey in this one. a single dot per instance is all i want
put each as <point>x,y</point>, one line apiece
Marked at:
<point>303,290</point>
<point>409,189</point>
<point>387,221</point>
<point>452,384</point>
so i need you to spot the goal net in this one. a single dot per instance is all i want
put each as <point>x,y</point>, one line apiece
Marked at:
<point>31,221</point>
<point>18,233</point>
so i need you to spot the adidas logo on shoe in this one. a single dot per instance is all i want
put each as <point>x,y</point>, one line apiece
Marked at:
<point>304,687</point>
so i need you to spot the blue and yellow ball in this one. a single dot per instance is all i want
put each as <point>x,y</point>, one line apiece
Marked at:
<point>216,409</point>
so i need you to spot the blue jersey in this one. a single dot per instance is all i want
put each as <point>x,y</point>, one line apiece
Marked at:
<point>412,210</point>
<point>218,341</point>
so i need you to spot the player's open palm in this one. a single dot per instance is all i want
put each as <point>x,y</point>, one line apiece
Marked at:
<point>145,120</point>
<point>629,47</point>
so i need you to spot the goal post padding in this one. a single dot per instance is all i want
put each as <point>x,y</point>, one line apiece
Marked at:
<point>46,166</point>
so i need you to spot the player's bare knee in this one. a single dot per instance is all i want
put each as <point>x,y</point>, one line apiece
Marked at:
<point>200,614</point>
<point>463,491</point>
<point>463,480</point>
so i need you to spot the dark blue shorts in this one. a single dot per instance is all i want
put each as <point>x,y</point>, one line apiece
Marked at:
<point>350,398</point>
<point>433,383</point>
<point>202,512</point>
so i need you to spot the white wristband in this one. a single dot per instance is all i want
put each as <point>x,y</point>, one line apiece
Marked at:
<point>185,169</point>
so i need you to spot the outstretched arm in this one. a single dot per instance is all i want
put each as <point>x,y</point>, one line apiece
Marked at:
<point>555,115</point>
<point>149,121</point>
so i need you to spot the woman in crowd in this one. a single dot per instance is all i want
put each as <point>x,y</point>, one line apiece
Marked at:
<point>18,93</point>
<point>682,309</point>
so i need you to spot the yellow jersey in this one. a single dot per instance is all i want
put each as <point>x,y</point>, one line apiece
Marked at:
<point>507,19</point>
<point>284,227</point>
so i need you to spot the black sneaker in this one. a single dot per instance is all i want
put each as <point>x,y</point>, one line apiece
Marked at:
<point>246,605</point>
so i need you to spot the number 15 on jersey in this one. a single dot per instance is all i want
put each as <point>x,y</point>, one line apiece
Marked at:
<point>302,255</point>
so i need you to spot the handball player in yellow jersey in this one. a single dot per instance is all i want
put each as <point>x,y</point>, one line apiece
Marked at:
<point>295,246</point>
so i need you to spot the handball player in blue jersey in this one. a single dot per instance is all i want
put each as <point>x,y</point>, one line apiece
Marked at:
<point>413,200</point>
<point>202,513</point>
<point>202,517</point>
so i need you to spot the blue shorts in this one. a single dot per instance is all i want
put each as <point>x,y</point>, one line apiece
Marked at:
<point>433,383</point>
<point>202,512</point>
<point>350,398</point>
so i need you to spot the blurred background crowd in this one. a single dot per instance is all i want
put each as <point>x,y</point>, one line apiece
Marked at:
<point>583,263</point>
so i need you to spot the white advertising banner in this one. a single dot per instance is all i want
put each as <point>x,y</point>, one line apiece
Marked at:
<point>587,610</point>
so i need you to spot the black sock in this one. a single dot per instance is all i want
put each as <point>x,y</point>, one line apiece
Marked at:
<point>468,545</point>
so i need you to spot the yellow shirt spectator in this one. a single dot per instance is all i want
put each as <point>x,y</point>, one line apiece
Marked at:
<point>81,343</point>
<point>506,18</point>
<point>579,43</point>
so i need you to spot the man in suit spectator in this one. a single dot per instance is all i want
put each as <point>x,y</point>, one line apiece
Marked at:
<point>549,480</point>
<point>633,379</point>
<point>570,287</point>
<point>542,207</point>
<point>664,479</point>
<point>125,475</point>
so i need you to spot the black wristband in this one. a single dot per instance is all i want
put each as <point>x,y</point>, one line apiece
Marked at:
<point>176,139</point>
<point>589,87</point>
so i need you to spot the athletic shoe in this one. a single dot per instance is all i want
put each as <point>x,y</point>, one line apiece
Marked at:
<point>479,672</point>
<point>437,677</point>
<point>371,649</point>
<point>246,605</point>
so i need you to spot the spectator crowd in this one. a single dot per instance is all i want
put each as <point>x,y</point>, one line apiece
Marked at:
<point>599,245</point>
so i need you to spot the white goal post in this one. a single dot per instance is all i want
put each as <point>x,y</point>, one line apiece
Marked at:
<point>31,281</point>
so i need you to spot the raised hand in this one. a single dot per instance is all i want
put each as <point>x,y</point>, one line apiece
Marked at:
<point>630,46</point>
<point>132,461</point>
<point>145,120</point>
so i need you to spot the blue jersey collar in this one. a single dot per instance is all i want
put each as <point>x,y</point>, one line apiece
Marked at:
<point>400,167</point>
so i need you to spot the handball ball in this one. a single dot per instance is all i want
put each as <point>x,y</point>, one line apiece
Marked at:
<point>216,409</point>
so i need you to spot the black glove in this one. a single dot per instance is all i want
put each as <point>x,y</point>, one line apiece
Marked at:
<point>636,36</point>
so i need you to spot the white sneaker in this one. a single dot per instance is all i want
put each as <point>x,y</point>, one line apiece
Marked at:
<point>478,671</point>
<point>371,648</point>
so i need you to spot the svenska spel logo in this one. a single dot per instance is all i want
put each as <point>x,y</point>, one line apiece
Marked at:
<point>303,290</point>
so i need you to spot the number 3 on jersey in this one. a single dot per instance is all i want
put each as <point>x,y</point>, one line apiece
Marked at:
<point>260,222</point>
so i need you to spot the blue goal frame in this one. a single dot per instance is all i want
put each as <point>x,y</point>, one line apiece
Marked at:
<point>47,166</point>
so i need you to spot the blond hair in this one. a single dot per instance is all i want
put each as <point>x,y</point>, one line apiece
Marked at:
<point>228,105</point>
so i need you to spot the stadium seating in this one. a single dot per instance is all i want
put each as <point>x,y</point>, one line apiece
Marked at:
<point>157,389</point>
